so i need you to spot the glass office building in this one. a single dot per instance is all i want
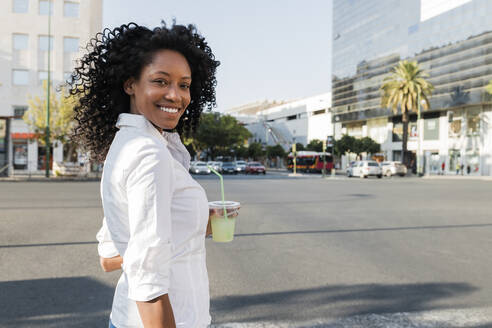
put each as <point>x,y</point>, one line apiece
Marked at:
<point>451,41</point>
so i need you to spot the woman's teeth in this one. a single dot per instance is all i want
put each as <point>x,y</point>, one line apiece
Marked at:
<point>169,110</point>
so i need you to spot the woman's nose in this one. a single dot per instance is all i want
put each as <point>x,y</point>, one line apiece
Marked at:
<point>172,93</point>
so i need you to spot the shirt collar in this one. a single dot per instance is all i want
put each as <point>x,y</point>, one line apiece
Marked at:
<point>138,121</point>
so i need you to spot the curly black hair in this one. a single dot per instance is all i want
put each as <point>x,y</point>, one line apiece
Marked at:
<point>116,55</point>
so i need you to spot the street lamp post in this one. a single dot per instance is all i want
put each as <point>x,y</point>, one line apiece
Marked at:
<point>419,136</point>
<point>47,157</point>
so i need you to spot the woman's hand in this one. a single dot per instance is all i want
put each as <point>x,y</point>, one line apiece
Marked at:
<point>231,212</point>
<point>111,264</point>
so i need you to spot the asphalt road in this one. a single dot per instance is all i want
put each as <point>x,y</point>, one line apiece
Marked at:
<point>307,252</point>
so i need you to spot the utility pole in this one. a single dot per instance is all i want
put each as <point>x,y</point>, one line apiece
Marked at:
<point>47,157</point>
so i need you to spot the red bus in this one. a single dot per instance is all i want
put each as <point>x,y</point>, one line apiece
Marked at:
<point>309,161</point>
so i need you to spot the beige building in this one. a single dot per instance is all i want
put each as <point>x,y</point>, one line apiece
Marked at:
<point>24,46</point>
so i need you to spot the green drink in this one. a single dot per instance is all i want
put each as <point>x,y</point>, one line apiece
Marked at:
<point>223,217</point>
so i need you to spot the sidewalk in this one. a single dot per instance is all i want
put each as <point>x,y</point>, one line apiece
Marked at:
<point>93,176</point>
<point>458,177</point>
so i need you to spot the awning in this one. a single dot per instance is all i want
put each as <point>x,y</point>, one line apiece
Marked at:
<point>20,135</point>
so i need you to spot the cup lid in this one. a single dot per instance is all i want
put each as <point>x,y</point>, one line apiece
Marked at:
<point>221,204</point>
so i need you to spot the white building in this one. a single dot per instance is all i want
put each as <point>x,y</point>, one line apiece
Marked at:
<point>452,42</point>
<point>298,121</point>
<point>24,44</point>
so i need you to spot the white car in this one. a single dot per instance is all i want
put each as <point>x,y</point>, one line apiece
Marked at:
<point>241,166</point>
<point>199,168</point>
<point>350,168</point>
<point>217,166</point>
<point>393,168</point>
<point>363,169</point>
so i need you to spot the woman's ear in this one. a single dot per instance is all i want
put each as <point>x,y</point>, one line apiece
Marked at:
<point>128,86</point>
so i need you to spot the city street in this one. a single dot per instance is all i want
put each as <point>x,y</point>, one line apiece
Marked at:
<point>308,252</point>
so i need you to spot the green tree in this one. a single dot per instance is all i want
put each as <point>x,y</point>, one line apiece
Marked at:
<point>61,118</point>
<point>275,151</point>
<point>299,146</point>
<point>370,146</point>
<point>241,151</point>
<point>403,89</point>
<point>315,145</point>
<point>255,151</point>
<point>346,144</point>
<point>219,134</point>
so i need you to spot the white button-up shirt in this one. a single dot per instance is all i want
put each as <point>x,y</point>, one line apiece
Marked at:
<point>155,217</point>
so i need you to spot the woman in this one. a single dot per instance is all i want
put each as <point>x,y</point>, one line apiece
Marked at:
<point>136,87</point>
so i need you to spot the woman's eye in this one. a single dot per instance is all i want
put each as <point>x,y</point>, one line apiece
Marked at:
<point>185,86</point>
<point>161,82</point>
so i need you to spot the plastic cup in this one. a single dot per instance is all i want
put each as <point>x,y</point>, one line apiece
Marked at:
<point>223,220</point>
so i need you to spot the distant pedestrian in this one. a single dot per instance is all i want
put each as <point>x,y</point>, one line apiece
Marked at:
<point>443,167</point>
<point>458,168</point>
<point>462,168</point>
<point>468,169</point>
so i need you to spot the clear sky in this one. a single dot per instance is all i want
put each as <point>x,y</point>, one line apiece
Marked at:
<point>268,49</point>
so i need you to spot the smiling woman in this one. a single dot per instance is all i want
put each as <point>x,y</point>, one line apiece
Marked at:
<point>133,56</point>
<point>138,89</point>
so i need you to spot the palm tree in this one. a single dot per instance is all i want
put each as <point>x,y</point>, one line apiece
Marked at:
<point>488,88</point>
<point>402,90</point>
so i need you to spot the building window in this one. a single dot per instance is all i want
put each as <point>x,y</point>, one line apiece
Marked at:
<point>291,117</point>
<point>19,111</point>
<point>20,77</point>
<point>43,76</point>
<point>455,122</point>
<point>319,112</point>
<point>431,129</point>
<point>20,154</point>
<point>45,7</point>
<point>21,6</point>
<point>45,43</point>
<point>70,44</point>
<point>20,41</point>
<point>70,9</point>
<point>473,122</point>
<point>413,131</point>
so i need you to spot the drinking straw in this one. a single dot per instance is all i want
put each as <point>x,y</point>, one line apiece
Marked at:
<point>221,188</point>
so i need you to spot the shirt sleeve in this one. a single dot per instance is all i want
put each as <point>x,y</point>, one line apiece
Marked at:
<point>147,259</point>
<point>105,247</point>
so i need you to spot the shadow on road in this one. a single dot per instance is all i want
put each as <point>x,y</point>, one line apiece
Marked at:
<point>58,302</point>
<point>335,301</point>
<point>436,227</point>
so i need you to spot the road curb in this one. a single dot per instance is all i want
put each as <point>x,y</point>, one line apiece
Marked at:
<point>51,179</point>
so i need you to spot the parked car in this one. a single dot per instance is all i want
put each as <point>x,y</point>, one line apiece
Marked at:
<point>241,166</point>
<point>350,167</point>
<point>255,167</point>
<point>229,168</point>
<point>217,166</point>
<point>363,169</point>
<point>199,168</point>
<point>393,168</point>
